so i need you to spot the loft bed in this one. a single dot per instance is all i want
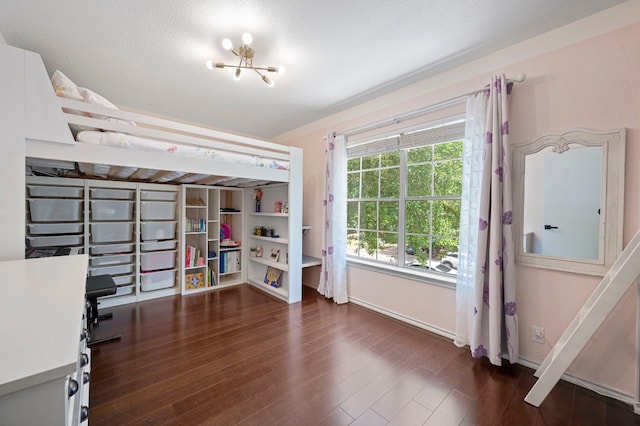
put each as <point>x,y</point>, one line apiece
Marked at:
<point>138,147</point>
<point>36,134</point>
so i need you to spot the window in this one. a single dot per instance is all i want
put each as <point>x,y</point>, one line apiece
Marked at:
<point>404,191</point>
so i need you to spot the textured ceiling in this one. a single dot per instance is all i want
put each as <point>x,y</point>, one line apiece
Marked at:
<point>150,54</point>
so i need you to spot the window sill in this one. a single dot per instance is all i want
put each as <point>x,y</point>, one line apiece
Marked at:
<point>426,278</point>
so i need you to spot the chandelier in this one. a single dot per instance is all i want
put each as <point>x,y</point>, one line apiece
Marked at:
<point>245,53</point>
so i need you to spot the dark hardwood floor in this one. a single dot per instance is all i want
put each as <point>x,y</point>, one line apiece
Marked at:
<point>238,356</point>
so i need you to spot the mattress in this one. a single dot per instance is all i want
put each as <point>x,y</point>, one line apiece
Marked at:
<point>123,140</point>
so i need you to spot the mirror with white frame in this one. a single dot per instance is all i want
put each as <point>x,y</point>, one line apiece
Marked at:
<point>568,200</point>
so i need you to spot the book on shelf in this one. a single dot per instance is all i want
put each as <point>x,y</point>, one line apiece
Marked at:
<point>212,278</point>
<point>273,277</point>
<point>230,261</point>
<point>193,257</point>
<point>195,225</point>
<point>193,281</point>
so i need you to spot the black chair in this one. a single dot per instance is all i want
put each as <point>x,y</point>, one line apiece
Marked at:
<point>98,286</point>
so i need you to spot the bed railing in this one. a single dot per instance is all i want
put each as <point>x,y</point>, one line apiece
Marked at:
<point>170,131</point>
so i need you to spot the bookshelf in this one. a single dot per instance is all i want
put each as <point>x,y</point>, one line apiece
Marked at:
<point>211,238</point>
<point>273,229</point>
<point>195,225</point>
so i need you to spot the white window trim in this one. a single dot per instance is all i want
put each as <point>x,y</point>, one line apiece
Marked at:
<point>406,273</point>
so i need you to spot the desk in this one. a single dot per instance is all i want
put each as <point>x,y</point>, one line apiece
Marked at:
<point>41,321</point>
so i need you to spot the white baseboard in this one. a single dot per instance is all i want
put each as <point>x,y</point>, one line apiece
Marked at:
<point>420,324</point>
<point>587,384</point>
<point>602,390</point>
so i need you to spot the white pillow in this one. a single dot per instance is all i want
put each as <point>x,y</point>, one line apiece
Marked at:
<point>94,98</point>
<point>64,87</point>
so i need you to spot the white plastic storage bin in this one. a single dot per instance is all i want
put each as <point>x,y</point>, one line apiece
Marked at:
<point>111,270</point>
<point>158,245</point>
<point>111,249</point>
<point>111,210</point>
<point>55,228</point>
<point>122,291</point>
<point>56,241</point>
<point>112,260</point>
<point>109,232</point>
<point>114,194</point>
<point>157,260</point>
<point>157,280</point>
<point>55,210</point>
<point>123,279</point>
<point>158,231</point>
<point>55,191</point>
<point>158,195</point>
<point>157,210</point>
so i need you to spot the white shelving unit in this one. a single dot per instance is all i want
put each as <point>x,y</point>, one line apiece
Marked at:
<point>158,240</point>
<point>111,222</point>
<point>54,214</point>
<point>195,230</point>
<point>231,250</point>
<point>274,231</point>
<point>209,214</point>
<point>134,232</point>
<point>128,229</point>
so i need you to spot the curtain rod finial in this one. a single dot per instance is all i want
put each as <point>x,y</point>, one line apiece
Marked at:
<point>520,77</point>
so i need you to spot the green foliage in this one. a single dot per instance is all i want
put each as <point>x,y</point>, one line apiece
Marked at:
<point>444,151</point>
<point>417,214</point>
<point>353,185</point>
<point>431,223</point>
<point>353,164</point>
<point>388,219</point>
<point>352,214</point>
<point>420,155</point>
<point>369,242</point>
<point>419,180</point>
<point>390,159</point>
<point>390,183</point>
<point>370,183</point>
<point>371,162</point>
<point>368,215</point>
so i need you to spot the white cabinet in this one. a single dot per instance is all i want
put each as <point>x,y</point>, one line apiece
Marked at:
<point>46,362</point>
<point>275,232</point>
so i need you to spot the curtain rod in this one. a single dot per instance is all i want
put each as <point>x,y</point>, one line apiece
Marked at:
<point>417,112</point>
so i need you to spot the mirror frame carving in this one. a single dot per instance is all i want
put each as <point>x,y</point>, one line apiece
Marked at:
<point>613,144</point>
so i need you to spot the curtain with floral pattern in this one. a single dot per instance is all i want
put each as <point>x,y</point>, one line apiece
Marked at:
<point>333,274</point>
<point>486,316</point>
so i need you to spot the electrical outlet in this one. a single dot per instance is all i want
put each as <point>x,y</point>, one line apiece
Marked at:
<point>537,334</point>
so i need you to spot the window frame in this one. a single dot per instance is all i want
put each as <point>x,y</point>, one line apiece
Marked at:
<point>424,276</point>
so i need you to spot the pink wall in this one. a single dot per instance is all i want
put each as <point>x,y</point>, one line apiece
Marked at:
<point>593,83</point>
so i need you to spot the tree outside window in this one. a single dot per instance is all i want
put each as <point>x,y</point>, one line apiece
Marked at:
<point>409,198</point>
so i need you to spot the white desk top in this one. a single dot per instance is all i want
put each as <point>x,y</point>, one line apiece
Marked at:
<point>41,307</point>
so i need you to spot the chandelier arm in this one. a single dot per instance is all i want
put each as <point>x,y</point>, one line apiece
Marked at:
<point>269,69</point>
